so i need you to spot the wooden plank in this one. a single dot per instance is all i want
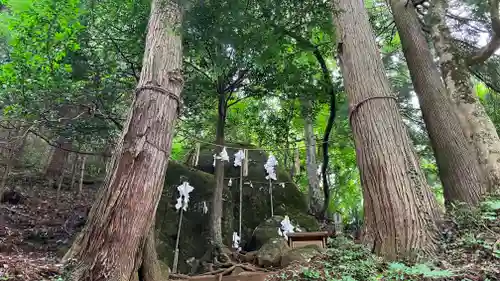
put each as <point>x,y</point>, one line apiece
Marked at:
<point>298,244</point>
<point>319,234</point>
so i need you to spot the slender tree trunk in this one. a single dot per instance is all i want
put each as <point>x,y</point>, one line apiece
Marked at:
<point>315,194</point>
<point>111,245</point>
<point>57,160</point>
<point>82,174</point>
<point>8,152</point>
<point>59,185</point>
<point>217,201</point>
<point>74,168</point>
<point>19,151</point>
<point>458,167</point>
<point>15,143</point>
<point>399,207</point>
<point>476,124</point>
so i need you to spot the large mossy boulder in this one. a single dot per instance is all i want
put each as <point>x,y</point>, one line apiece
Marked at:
<point>268,229</point>
<point>195,227</point>
<point>269,255</point>
<point>288,200</point>
<point>302,255</point>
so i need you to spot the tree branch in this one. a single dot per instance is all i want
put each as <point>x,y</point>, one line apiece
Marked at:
<point>487,51</point>
<point>236,83</point>
<point>127,60</point>
<point>56,145</point>
<point>104,115</point>
<point>197,68</point>
<point>237,101</point>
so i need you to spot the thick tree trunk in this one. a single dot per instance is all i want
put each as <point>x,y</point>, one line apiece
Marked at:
<point>111,245</point>
<point>458,167</point>
<point>217,200</point>
<point>315,194</point>
<point>476,124</point>
<point>399,207</point>
<point>57,160</point>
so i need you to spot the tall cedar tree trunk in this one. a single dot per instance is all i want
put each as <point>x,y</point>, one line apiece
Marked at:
<point>476,124</point>
<point>456,159</point>
<point>315,194</point>
<point>217,201</point>
<point>57,159</point>
<point>399,207</point>
<point>117,240</point>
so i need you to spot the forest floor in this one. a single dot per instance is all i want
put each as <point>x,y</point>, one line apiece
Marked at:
<point>468,251</point>
<point>37,231</point>
<point>37,227</point>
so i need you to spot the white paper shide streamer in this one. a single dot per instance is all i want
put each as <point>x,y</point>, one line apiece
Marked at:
<point>205,208</point>
<point>181,205</point>
<point>270,167</point>
<point>223,156</point>
<point>236,241</point>
<point>238,158</point>
<point>286,227</point>
<point>183,200</point>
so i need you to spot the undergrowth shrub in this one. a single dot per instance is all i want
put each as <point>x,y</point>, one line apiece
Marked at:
<point>346,261</point>
<point>470,251</point>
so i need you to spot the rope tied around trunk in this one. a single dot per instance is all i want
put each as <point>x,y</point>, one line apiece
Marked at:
<point>162,91</point>
<point>354,108</point>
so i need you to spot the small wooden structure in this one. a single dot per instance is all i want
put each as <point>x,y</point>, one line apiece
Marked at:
<point>301,239</point>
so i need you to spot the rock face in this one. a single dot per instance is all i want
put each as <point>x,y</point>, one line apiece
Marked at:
<point>195,222</point>
<point>288,200</point>
<point>302,255</point>
<point>271,252</point>
<point>268,229</point>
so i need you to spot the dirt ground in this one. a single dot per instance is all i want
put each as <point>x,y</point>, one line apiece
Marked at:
<point>37,227</point>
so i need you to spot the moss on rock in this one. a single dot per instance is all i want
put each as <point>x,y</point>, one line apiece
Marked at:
<point>302,255</point>
<point>271,252</point>
<point>288,200</point>
<point>268,229</point>
<point>194,225</point>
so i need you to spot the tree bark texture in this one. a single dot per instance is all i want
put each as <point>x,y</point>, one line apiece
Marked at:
<point>476,124</point>
<point>217,199</point>
<point>399,207</point>
<point>456,158</point>
<point>112,244</point>
<point>315,194</point>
